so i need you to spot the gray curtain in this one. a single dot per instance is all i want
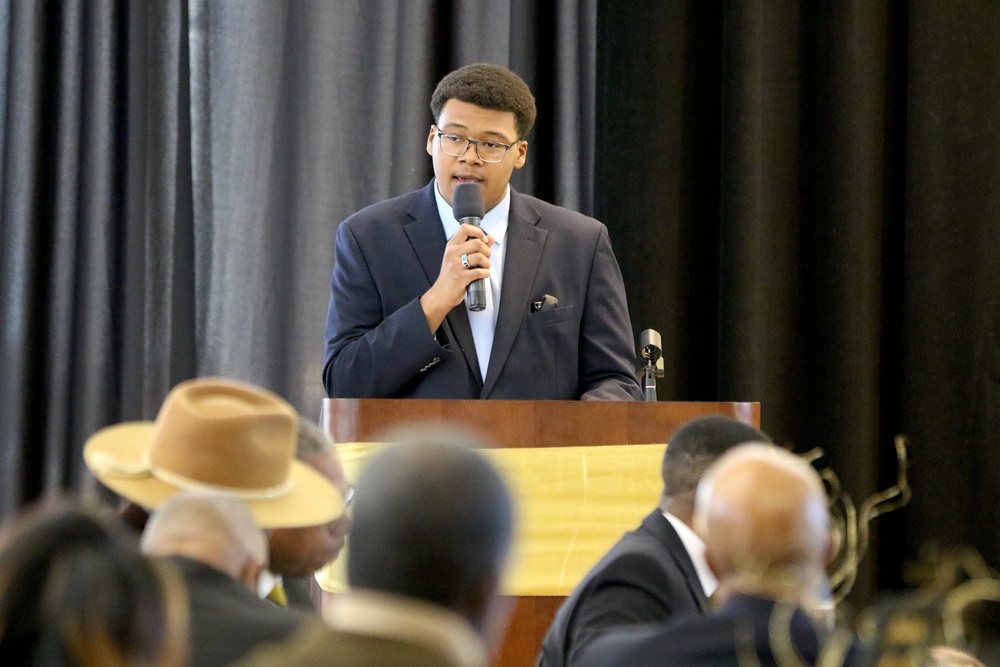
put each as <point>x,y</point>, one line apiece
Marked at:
<point>174,172</point>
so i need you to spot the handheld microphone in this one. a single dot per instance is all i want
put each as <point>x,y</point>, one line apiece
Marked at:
<point>468,207</point>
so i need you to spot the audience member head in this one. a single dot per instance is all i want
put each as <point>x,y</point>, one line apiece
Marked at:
<point>490,87</point>
<point>298,552</point>
<point>433,521</point>
<point>213,529</point>
<point>204,427</point>
<point>946,656</point>
<point>762,513</point>
<point>75,590</point>
<point>692,449</point>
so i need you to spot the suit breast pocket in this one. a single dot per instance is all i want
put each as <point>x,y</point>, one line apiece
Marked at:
<point>548,318</point>
<point>553,335</point>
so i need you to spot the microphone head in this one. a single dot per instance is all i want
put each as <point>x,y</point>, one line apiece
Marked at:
<point>650,347</point>
<point>467,201</point>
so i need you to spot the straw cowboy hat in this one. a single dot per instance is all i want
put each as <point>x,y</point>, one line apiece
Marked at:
<point>217,436</point>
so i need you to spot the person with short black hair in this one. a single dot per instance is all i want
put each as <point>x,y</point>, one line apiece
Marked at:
<point>657,572</point>
<point>433,527</point>
<point>555,323</point>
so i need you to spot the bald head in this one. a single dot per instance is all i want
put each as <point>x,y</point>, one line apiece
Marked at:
<point>217,530</point>
<point>433,520</point>
<point>763,515</point>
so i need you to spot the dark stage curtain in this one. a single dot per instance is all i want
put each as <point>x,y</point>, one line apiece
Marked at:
<point>803,197</point>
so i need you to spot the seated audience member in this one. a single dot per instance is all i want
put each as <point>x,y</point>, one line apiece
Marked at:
<point>76,591</point>
<point>433,524</point>
<point>218,436</point>
<point>220,552</point>
<point>657,572</point>
<point>296,553</point>
<point>762,513</point>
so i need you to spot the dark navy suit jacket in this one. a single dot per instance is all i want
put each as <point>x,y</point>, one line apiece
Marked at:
<point>745,631</point>
<point>647,577</point>
<point>378,344</point>
<point>226,619</point>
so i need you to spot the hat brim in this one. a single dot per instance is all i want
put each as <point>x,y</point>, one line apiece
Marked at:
<point>312,500</point>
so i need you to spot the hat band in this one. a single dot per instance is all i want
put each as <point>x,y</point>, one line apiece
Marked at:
<point>115,468</point>
<point>188,484</point>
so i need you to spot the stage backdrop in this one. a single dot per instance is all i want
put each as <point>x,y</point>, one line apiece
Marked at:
<point>804,198</point>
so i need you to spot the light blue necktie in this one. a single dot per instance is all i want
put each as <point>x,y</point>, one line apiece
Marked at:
<point>483,323</point>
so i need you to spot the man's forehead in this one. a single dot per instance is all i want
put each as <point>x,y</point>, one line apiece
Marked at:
<point>465,115</point>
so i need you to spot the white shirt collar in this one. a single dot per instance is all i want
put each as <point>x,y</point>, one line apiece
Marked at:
<point>695,548</point>
<point>494,222</point>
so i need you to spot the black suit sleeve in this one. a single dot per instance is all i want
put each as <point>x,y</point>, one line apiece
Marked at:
<point>606,342</point>
<point>371,353</point>
<point>631,590</point>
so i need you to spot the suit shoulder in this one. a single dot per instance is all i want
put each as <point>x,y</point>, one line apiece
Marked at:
<point>552,216</point>
<point>636,551</point>
<point>395,209</point>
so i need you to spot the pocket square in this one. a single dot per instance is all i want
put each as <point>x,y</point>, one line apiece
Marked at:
<point>546,302</point>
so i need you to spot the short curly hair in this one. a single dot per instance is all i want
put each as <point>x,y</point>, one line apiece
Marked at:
<point>490,87</point>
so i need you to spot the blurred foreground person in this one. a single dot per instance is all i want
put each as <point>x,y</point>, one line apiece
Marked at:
<point>433,524</point>
<point>657,572</point>
<point>76,592</point>
<point>762,513</point>
<point>215,544</point>
<point>296,553</point>
<point>946,656</point>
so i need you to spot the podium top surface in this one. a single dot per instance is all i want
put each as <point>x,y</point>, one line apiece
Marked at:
<point>527,423</point>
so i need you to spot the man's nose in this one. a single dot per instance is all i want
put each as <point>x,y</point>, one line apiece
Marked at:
<point>471,154</point>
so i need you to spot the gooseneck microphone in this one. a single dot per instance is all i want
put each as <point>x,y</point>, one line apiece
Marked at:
<point>650,351</point>
<point>468,207</point>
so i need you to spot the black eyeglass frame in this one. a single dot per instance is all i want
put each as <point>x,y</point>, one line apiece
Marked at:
<point>473,142</point>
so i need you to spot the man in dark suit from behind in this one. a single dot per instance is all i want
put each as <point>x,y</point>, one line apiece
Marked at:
<point>657,572</point>
<point>220,552</point>
<point>762,512</point>
<point>433,526</point>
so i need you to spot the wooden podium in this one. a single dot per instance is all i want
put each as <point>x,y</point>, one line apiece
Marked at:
<point>516,424</point>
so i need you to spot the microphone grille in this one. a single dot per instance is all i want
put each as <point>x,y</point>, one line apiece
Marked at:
<point>467,201</point>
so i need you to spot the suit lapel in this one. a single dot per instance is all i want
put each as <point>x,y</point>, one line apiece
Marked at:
<point>661,528</point>
<point>426,235</point>
<point>524,251</point>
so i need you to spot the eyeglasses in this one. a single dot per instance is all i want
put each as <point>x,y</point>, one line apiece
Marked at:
<point>488,151</point>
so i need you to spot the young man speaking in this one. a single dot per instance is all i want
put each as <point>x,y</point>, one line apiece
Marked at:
<point>556,323</point>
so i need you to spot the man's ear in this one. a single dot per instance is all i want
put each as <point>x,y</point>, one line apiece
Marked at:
<point>250,573</point>
<point>712,564</point>
<point>430,140</point>
<point>831,549</point>
<point>522,154</point>
<point>496,615</point>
